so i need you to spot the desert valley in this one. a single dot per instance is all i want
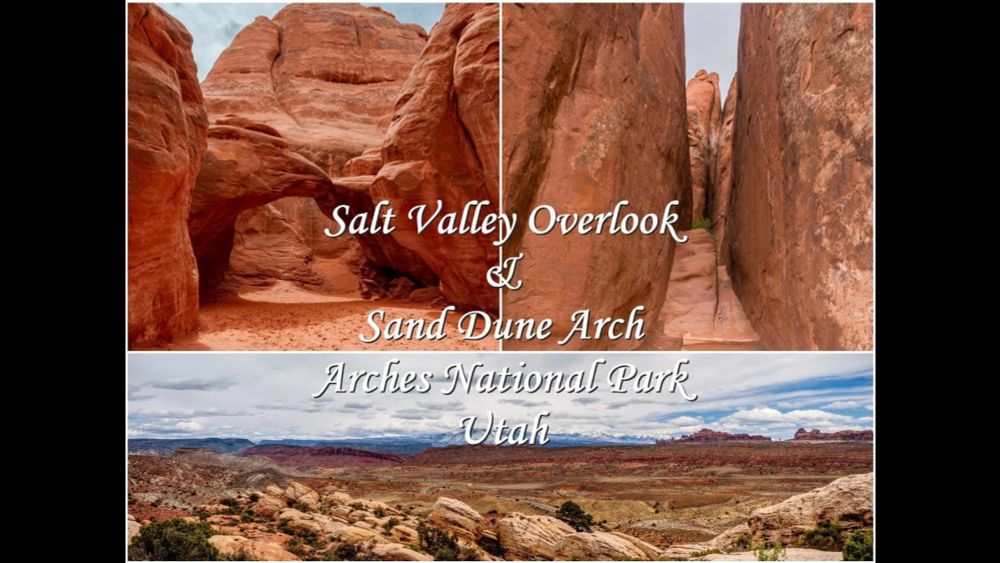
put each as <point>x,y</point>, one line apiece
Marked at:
<point>709,495</point>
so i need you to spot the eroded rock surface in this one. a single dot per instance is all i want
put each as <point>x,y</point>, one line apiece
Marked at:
<point>443,145</point>
<point>704,113</point>
<point>594,113</point>
<point>800,217</point>
<point>166,144</point>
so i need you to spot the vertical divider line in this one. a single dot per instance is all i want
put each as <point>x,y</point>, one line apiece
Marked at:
<point>500,164</point>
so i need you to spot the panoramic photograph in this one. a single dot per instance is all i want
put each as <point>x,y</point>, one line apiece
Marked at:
<point>559,457</point>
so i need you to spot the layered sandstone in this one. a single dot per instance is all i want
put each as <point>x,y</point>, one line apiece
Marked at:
<point>166,143</point>
<point>799,224</point>
<point>443,145</point>
<point>704,114</point>
<point>594,113</point>
<point>267,247</point>
<point>325,75</point>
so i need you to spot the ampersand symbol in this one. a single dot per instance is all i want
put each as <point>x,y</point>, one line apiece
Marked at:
<point>501,275</point>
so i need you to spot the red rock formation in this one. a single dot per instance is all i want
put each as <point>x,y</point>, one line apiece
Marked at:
<point>593,114</point>
<point>704,113</point>
<point>267,248</point>
<point>329,456</point>
<point>243,169</point>
<point>166,144</point>
<point>324,75</point>
<point>309,89</point>
<point>705,436</point>
<point>443,145</point>
<point>841,436</point>
<point>718,201</point>
<point>800,217</point>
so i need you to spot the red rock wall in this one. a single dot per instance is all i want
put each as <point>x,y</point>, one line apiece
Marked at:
<point>594,113</point>
<point>718,202</point>
<point>443,144</point>
<point>704,114</point>
<point>800,217</point>
<point>166,144</point>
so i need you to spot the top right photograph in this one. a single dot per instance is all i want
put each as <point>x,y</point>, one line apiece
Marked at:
<point>707,171</point>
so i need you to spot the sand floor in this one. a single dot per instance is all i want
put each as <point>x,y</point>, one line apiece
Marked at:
<point>286,317</point>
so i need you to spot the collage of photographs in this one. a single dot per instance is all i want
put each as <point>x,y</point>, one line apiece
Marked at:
<point>507,281</point>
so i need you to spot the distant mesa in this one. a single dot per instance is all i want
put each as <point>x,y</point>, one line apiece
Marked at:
<point>705,436</point>
<point>328,456</point>
<point>841,436</point>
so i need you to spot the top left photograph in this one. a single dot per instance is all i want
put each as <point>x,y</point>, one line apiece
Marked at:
<point>265,145</point>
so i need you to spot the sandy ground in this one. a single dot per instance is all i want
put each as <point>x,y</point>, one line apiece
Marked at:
<point>286,317</point>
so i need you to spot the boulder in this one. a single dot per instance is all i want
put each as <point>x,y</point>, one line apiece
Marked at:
<point>167,128</point>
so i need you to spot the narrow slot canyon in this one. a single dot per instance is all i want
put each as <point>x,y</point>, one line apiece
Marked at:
<point>233,179</point>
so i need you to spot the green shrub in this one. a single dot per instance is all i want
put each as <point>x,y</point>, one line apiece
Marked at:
<point>491,546</point>
<point>445,554</point>
<point>379,512</point>
<point>702,223</point>
<point>705,552</point>
<point>173,540</point>
<point>390,524</point>
<point>859,547</point>
<point>239,555</point>
<point>254,497</point>
<point>296,547</point>
<point>229,501</point>
<point>827,536</point>
<point>301,507</point>
<point>343,552</point>
<point>572,514</point>
<point>776,553</point>
<point>468,554</point>
<point>742,542</point>
<point>433,540</point>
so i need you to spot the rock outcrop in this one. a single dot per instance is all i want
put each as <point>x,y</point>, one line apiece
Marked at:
<point>594,113</point>
<point>718,202</point>
<point>604,546</point>
<point>259,550</point>
<point>706,436</point>
<point>292,100</point>
<point>456,517</point>
<point>166,144</point>
<point>704,114</point>
<point>531,537</point>
<point>846,502</point>
<point>325,75</point>
<point>443,145</point>
<point>840,436</point>
<point>799,224</point>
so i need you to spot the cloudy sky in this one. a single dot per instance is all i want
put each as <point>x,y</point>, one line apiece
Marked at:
<point>213,26</point>
<point>259,396</point>
<point>710,35</point>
